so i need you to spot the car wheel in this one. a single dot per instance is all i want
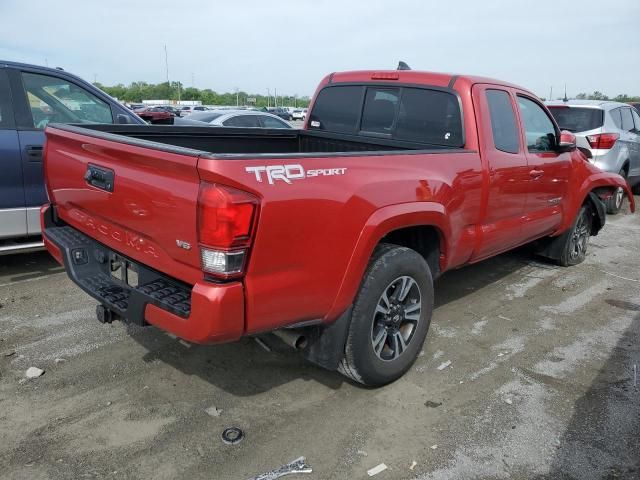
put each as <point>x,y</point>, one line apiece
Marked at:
<point>390,317</point>
<point>614,203</point>
<point>574,250</point>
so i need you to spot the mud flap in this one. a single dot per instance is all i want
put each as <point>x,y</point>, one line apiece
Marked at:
<point>326,343</point>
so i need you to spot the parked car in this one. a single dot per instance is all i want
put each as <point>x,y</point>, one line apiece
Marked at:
<point>281,112</point>
<point>240,118</point>
<point>189,109</point>
<point>636,105</point>
<point>176,112</point>
<point>329,236</point>
<point>31,97</point>
<point>608,133</point>
<point>156,114</point>
<point>299,114</point>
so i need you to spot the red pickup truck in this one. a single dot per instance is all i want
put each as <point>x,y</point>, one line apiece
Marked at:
<point>330,236</point>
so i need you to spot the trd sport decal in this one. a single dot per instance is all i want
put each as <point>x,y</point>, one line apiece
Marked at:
<point>286,173</point>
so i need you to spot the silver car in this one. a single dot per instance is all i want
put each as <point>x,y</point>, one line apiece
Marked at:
<point>240,118</point>
<point>608,133</point>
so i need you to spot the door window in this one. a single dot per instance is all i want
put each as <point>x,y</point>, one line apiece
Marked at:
<point>503,121</point>
<point>244,121</point>
<point>270,122</point>
<point>6,112</point>
<point>617,119</point>
<point>627,119</point>
<point>539,129</point>
<point>636,120</point>
<point>53,99</point>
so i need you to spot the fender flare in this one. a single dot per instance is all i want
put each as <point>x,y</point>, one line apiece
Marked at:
<point>586,189</point>
<point>379,224</point>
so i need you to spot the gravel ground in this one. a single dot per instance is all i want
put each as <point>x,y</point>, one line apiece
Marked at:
<point>543,383</point>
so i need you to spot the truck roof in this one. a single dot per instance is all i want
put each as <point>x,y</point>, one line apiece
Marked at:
<point>413,76</point>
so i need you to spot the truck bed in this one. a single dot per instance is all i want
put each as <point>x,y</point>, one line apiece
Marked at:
<point>219,141</point>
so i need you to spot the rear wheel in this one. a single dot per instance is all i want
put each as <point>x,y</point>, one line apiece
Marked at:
<point>390,317</point>
<point>574,250</point>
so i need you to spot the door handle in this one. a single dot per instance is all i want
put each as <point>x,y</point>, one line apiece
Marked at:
<point>536,174</point>
<point>34,153</point>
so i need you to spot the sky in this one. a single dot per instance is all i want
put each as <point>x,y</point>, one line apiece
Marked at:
<point>289,45</point>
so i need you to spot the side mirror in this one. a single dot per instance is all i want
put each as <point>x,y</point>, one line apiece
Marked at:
<point>567,142</point>
<point>122,119</point>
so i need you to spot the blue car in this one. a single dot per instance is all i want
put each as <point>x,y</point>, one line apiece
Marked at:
<point>30,98</point>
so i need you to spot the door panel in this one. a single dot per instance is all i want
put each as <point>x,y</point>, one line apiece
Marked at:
<point>31,143</point>
<point>548,171</point>
<point>12,204</point>
<point>501,149</point>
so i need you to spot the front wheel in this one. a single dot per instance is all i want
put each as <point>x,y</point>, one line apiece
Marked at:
<point>390,317</point>
<point>574,250</point>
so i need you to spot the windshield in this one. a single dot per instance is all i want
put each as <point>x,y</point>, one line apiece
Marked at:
<point>577,119</point>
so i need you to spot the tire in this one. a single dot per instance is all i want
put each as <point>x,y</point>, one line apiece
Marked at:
<point>576,240</point>
<point>385,337</point>
<point>614,204</point>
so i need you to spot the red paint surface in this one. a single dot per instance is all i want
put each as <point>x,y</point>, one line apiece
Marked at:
<point>314,236</point>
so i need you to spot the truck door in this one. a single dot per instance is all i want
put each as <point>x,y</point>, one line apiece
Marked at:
<point>12,203</point>
<point>505,161</point>
<point>47,99</point>
<point>548,170</point>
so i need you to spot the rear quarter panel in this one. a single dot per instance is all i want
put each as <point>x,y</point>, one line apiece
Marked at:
<point>313,231</point>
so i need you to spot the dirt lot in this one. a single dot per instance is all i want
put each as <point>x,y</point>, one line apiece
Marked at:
<point>543,383</point>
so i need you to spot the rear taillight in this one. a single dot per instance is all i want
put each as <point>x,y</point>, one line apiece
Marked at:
<point>226,218</point>
<point>602,141</point>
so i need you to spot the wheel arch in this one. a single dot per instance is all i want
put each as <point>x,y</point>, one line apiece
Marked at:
<point>401,224</point>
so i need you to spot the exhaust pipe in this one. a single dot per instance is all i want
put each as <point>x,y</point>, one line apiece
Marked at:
<point>293,338</point>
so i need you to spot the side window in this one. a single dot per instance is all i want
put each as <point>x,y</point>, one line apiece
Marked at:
<point>244,121</point>
<point>627,119</point>
<point>6,112</point>
<point>616,117</point>
<point>503,121</point>
<point>429,116</point>
<point>337,109</point>
<point>636,120</point>
<point>379,110</point>
<point>539,130</point>
<point>53,99</point>
<point>270,122</point>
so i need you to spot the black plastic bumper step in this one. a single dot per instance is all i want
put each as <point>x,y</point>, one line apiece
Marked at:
<point>91,265</point>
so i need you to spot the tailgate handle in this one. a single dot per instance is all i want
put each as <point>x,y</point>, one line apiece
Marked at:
<point>99,177</point>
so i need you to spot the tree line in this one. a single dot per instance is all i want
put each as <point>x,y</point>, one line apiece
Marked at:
<point>136,92</point>
<point>624,98</point>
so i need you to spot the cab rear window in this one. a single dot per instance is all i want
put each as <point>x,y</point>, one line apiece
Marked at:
<point>577,119</point>
<point>409,114</point>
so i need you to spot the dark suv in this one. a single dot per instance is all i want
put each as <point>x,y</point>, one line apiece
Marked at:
<point>31,97</point>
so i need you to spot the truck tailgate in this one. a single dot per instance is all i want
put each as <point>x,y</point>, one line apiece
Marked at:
<point>137,200</point>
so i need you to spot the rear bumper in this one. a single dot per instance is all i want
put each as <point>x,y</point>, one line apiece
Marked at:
<point>202,313</point>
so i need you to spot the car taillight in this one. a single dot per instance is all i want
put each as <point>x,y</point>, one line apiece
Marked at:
<point>602,141</point>
<point>226,218</point>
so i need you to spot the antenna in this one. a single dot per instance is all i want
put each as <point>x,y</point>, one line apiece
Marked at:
<point>565,99</point>
<point>403,66</point>
<point>551,93</point>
